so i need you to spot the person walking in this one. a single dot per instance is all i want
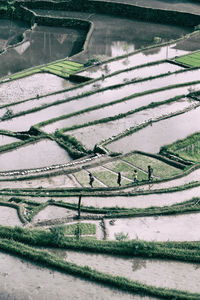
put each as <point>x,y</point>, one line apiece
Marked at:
<point>91,180</point>
<point>119,178</point>
<point>135,175</point>
<point>150,172</point>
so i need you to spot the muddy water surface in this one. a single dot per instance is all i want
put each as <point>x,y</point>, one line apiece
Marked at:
<point>45,182</point>
<point>143,57</point>
<point>140,73</point>
<point>24,122</point>
<point>177,5</point>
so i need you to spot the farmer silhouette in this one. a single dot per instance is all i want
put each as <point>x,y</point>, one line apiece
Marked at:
<point>119,178</point>
<point>91,179</point>
<point>135,174</point>
<point>150,172</point>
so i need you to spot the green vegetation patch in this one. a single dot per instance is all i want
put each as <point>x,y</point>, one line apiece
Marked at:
<point>160,169</point>
<point>107,177</point>
<point>85,229</point>
<point>192,60</point>
<point>188,148</point>
<point>63,68</point>
<point>125,169</point>
<point>83,178</point>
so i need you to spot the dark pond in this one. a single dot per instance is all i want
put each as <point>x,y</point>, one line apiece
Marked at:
<point>11,33</point>
<point>41,45</point>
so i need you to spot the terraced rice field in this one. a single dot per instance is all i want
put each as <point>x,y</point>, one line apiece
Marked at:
<point>192,60</point>
<point>99,151</point>
<point>61,68</point>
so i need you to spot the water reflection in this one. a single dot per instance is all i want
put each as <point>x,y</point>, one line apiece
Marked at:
<point>121,47</point>
<point>11,32</point>
<point>42,45</point>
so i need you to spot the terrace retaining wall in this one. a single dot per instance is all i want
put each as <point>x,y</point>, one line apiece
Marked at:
<point>122,9</point>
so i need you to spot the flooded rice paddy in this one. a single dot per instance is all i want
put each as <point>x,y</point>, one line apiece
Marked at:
<point>21,280</point>
<point>97,133</point>
<point>31,87</point>
<point>9,217</point>
<point>39,154</point>
<point>111,37</point>
<point>44,182</point>
<point>122,107</point>
<point>83,103</point>
<point>178,275</point>
<point>53,212</point>
<point>141,201</point>
<point>4,140</point>
<point>117,108</point>
<point>182,5</point>
<point>98,98</point>
<point>143,57</point>
<point>158,228</point>
<point>151,137</point>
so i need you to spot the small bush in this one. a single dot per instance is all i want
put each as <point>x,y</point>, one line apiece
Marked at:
<point>95,60</point>
<point>157,40</point>
<point>58,233</point>
<point>8,114</point>
<point>120,236</point>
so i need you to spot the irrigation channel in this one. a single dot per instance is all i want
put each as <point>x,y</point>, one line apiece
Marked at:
<point>99,149</point>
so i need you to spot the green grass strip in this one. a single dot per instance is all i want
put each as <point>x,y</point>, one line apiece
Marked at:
<point>181,251</point>
<point>66,66</point>
<point>85,228</point>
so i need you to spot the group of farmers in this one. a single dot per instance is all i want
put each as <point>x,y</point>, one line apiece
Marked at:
<point>119,177</point>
